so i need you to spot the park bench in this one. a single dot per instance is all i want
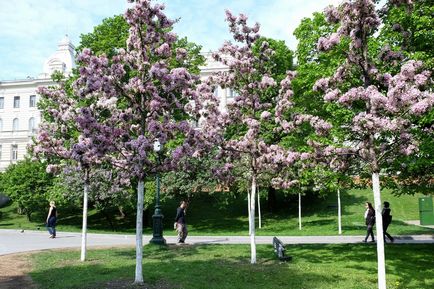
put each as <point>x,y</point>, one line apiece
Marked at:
<point>279,249</point>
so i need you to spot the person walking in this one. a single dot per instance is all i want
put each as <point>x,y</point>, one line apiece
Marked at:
<point>387,219</point>
<point>180,222</point>
<point>369,221</point>
<point>51,220</point>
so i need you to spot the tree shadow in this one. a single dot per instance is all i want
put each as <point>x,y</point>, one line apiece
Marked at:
<point>186,267</point>
<point>227,266</point>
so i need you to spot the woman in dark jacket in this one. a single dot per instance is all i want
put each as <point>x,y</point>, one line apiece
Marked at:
<point>387,219</point>
<point>369,221</point>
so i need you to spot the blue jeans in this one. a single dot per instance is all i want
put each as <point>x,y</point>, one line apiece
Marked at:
<point>51,226</point>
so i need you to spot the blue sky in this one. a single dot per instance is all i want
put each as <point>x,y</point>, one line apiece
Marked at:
<point>31,29</point>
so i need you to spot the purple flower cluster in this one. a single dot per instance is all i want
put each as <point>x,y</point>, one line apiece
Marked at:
<point>384,107</point>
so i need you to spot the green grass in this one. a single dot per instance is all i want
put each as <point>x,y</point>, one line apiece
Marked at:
<point>227,266</point>
<point>206,216</point>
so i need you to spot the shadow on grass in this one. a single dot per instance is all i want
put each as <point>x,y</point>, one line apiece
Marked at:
<point>215,267</point>
<point>227,266</point>
<point>413,264</point>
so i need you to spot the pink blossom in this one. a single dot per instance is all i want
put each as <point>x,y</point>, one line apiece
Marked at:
<point>321,84</point>
<point>163,50</point>
<point>267,82</point>
<point>332,95</point>
<point>265,115</point>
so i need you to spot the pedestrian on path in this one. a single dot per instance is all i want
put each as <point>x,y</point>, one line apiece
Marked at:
<point>51,220</point>
<point>369,221</point>
<point>387,219</point>
<point>180,222</point>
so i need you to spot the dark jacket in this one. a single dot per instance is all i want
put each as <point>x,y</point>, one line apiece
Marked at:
<point>387,217</point>
<point>180,216</point>
<point>370,218</point>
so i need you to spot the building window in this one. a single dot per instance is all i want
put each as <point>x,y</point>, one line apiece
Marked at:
<point>231,93</point>
<point>14,155</point>
<point>15,124</point>
<point>16,102</point>
<point>1,151</point>
<point>2,102</point>
<point>1,124</point>
<point>31,124</point>
<point>32,101</point>
<point>216,91</point>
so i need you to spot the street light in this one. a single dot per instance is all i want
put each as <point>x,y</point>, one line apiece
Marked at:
<point>157,218</point>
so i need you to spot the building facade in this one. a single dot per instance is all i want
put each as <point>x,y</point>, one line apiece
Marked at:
<point>20,117</point>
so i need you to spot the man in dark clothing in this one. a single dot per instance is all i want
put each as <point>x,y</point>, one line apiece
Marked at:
<point>387,219</point>
<point>180,222</point>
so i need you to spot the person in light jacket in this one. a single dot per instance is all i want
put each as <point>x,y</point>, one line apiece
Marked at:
<point>51,220</point>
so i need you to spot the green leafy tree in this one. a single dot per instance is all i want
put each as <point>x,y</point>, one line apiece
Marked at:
<point>408,33</point>
<point>106,37</point>
<point>111,35</point>
<point>107,193</point>
<point>26,183</point>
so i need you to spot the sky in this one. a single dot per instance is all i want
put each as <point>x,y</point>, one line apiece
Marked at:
<point>31,29</point>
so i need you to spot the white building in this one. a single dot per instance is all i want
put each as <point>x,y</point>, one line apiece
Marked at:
<point>19,116</point>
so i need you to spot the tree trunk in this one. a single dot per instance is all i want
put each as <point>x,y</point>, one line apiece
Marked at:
<point>380,237</point>
<point>252,221</point>
<point>84,227</point>
<point>339,213</point>
<point>107,216</point>
<point>259,210</point>
<point>139,233</point>
<point>271,199</point>
<point>121,212</point>
<point>299,211</point>
<point>248,210</point>
<point>147,216</point>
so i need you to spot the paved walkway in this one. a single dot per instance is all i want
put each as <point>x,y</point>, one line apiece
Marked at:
<point>15,241</point>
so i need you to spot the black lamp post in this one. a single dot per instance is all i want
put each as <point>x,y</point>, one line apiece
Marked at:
<point>157,218</point>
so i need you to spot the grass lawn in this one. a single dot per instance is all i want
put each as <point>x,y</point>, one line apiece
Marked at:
<point>206,216</point>
<point>351,266</point>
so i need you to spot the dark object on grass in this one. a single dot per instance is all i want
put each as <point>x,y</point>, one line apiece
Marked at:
<point>4,200</point>
<point>279,249</point>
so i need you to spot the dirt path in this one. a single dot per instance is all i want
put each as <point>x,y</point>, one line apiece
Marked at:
<point>13,272</point>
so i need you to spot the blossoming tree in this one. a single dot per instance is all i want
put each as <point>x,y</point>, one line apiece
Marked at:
<point>66,137</point>
<point>383,107</point>
<point>240,129</point>
<point>144,99</point>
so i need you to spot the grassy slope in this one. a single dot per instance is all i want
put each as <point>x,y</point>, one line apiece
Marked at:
<point>205,217</point>
<point>220,267</point>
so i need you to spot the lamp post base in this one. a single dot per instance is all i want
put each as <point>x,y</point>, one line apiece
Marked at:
<point>157,230</point>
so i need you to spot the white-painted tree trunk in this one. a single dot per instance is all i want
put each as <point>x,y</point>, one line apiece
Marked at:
<point>259,209</point>
<point>252,221</point>
<point>248,210</point>
<point>84,227</point>
<point>299,211</point>
<point>339,213</point>
<point>380,239</point>
<point>139,233</point>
